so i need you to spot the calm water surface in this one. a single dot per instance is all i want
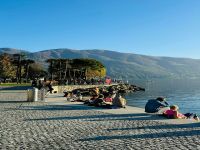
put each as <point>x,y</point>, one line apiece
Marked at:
<point>184,93</point>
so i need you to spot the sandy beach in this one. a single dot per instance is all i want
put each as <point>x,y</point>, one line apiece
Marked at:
<point>58,124</point>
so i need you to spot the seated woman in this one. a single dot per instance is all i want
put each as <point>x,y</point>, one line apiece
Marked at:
<point>119,101</point>
<point>174,114</point>
<point>108,98</point>
<point>90,102</point>
<point>68,95</point>
<point>107,101</point>
<point>98,101</point>
<point>94,91</point>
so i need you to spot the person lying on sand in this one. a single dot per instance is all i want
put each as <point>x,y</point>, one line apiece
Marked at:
<point>173,113</point>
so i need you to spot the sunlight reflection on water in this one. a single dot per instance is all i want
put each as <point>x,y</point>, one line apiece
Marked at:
<point>184,93</point>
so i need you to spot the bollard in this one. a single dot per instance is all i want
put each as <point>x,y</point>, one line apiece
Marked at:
<point>42,94</point>
<point>29,95</point>
<point>35,94</point>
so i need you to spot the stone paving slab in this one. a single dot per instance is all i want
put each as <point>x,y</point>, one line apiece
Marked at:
<point>13,95</point>
<point>59,125</point>
<point>58,98</point>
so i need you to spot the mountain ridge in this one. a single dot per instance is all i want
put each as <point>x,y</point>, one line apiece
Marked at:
<point>124,65</point>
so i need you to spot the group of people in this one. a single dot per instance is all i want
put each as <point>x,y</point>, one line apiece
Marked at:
<point>43,85</point>
<point>107,99</point>
<point>161,106</point>
<point>112,98</point>
<point>99,98</point>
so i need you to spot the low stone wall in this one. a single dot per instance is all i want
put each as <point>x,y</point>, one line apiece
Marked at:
<point>60,89</point>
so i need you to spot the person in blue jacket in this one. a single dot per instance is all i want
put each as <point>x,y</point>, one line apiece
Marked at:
<point>155,105</point>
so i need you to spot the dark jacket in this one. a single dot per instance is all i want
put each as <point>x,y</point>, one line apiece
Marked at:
<point>153,105</point>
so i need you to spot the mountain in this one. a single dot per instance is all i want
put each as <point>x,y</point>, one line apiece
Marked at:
<point>125,65</point>
<point>12,51</point>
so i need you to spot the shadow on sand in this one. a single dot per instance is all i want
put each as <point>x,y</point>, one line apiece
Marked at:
<point>23,101</point>
<point>146,136</point>
<point>58,107</point>
<point>93,117</point>
<point>158,129</point>
<point>108,117</point>
<point>15,88</point>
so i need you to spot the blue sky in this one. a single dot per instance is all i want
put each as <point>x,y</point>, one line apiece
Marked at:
<point>150,27</point>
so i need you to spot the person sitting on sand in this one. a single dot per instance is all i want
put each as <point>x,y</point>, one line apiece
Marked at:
<point>71,97</point>
<point>90,101</point>
<point>173,113</point>
<point>103,91</point>
<point>108,98</point>
<point>94,91</point>
<point>119,101</point>
<point>98,102</point>
<point>107,101</point>
<point>155,105</point>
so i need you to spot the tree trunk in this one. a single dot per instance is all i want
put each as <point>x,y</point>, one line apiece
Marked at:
<point>20,73</point>
<point>27,69</point>
<point>65,70</point>
<point>17,74</point>
<point>60,70</point>
<point>51,70</point>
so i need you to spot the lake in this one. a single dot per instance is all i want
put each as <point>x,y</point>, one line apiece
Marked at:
<point>184,93</point>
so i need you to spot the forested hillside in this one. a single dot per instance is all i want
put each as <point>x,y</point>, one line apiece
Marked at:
<point>124,65</point>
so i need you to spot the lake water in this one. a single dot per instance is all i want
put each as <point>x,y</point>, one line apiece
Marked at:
<point>184,93</point>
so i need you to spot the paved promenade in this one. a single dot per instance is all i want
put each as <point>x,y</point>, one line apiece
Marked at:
<point>57,124</point>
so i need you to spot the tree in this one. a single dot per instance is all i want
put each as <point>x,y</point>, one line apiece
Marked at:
<point>26,63</point>
<point>91,73</point>
<point>36,71</point>
<point>51,68</point>
<point>67,65</point>
<point>79,68</point>
<point>7,70</point>
<point>93,68</point>
<point>18,62</point>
